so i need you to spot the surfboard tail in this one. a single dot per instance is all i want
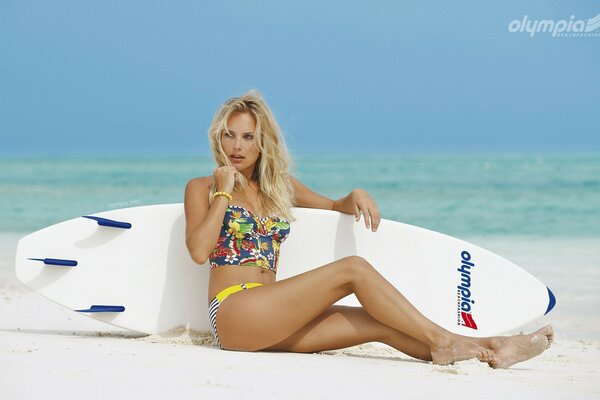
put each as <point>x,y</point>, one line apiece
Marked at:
<point>551,301</point>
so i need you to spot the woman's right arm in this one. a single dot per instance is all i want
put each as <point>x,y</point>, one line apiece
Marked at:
<point>203,221</point>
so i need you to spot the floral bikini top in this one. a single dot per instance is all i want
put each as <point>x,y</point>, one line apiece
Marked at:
<point>247,240</point>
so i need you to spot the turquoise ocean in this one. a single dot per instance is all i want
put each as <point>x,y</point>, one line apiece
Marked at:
<point>464,195</point>
<point>541,211</point>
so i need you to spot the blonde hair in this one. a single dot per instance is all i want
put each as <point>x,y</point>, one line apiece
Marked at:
<point>271,171</point>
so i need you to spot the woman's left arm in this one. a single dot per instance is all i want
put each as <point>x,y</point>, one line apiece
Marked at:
<point>356,202</point>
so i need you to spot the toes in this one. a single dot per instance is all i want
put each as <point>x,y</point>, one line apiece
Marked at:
<point>539,343</point>
<point>487,355</point>
<point>494,362</point>
<point>482,356</point>
<point>548,331</point>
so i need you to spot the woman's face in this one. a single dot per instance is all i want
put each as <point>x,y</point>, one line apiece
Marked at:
<point>239,141</point>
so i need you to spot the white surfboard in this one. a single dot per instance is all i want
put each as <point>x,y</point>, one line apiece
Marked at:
<point>130,268</point>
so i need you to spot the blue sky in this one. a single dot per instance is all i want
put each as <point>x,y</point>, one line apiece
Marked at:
<point>146,77</point>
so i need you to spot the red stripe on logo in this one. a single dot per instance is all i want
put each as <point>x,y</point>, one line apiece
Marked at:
<point>468,320</point>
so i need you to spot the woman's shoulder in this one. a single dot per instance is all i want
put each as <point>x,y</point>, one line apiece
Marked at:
<point>200,183</point>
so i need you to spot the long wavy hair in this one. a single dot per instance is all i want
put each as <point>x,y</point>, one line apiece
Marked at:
<point>271,171</point>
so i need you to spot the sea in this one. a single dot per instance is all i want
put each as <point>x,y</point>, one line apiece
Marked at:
<point>464,195</point>
<point>539,210</point>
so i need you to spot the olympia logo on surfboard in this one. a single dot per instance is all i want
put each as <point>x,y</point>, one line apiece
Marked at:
<point>464,314</point>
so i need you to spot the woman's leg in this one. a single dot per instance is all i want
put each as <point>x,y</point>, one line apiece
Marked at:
<point>344,326</point>
<point>255,319</point>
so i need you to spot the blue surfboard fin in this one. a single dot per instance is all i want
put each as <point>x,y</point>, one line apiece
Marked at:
<point>99,308</point>
<point>109,222</point>
<point>552,301</point>
<point>56,261</point>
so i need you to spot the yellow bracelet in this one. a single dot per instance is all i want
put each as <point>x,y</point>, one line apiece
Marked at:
<point>229,198</point>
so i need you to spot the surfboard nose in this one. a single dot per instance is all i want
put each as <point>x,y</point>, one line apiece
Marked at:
<point>551,301</point>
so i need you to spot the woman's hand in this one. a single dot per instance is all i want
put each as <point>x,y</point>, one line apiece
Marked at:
<point>355,202</point>
<point>363,203</point>
<point>225,178</point>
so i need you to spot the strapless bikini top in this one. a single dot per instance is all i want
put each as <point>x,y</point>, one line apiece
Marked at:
<point>249,241</point>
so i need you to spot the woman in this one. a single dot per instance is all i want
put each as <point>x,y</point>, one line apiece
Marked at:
<point>238,218</point>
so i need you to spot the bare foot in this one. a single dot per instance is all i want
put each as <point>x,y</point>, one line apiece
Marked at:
<point>549,332</point>
<point>518,348</point>
<point>460,350</point>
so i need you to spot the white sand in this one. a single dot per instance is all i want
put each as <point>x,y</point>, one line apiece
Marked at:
<point>49,351</point>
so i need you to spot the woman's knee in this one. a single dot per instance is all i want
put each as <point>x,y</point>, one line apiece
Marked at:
<point>358,266</point>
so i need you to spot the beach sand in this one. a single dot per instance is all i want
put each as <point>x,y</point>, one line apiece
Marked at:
<point>47,350</point>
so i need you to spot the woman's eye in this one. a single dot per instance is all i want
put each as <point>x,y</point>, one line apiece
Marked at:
<point>249,137</point>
